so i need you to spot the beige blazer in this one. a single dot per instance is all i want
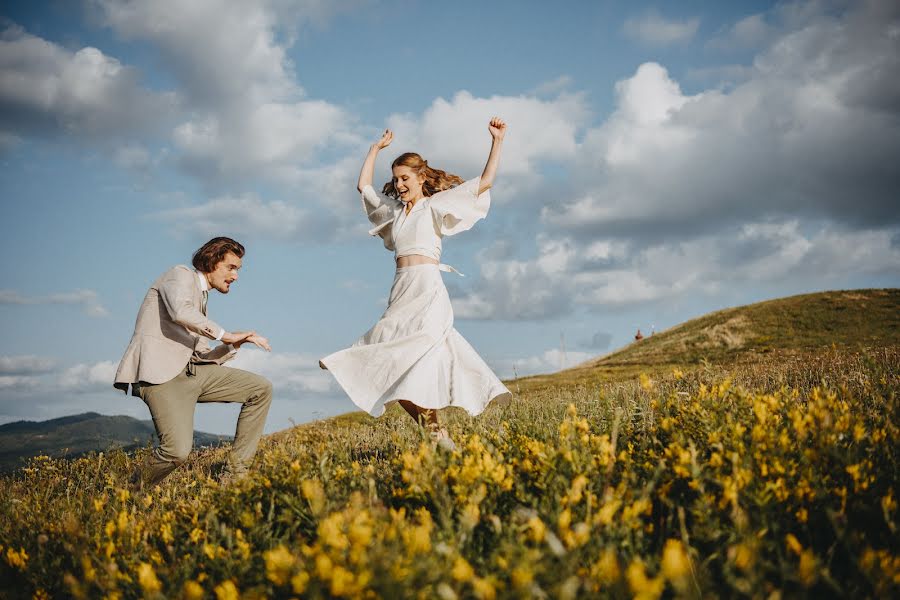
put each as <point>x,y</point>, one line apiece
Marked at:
<point>170,327</point>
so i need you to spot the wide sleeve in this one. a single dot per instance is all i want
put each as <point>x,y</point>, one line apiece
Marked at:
<point>381,212</point>
<point>459,208</point>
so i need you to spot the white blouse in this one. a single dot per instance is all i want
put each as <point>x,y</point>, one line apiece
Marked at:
<point>446,213</point>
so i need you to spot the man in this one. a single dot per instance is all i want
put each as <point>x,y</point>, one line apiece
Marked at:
<point>170,366</point>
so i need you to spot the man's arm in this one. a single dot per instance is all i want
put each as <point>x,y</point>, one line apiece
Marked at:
<point>177,291</point>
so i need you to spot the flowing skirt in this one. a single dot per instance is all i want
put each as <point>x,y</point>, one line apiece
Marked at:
<point>414,353</point>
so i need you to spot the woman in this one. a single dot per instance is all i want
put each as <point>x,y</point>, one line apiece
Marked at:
<point>413,354</point>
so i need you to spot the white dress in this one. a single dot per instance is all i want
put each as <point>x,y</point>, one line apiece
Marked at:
<point>413,352</point>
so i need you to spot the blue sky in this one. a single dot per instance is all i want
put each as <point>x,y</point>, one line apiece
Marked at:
<point>663,160</point>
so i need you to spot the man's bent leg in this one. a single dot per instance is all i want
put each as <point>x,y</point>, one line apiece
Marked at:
<point>226,384</point>
<point>172,408</point>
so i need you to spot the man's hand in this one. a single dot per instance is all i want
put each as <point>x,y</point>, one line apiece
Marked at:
<point>236,338</point>
<point>256,340</point>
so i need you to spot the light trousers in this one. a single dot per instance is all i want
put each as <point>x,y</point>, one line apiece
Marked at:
<point>172,406</point>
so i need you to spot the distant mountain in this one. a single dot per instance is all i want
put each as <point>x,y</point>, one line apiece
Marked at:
<point>79,434</point>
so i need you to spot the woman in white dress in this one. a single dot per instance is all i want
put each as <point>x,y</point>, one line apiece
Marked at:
<point>413,355</point>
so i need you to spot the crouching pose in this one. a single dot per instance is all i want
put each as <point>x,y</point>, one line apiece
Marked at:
<point>170,366</point>
<point>413,355</point>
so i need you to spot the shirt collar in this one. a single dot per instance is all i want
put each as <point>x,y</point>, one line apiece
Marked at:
<point>201,280</point>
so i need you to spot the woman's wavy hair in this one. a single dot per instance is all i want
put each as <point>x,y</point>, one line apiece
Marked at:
<point>210,254</point>
<point>435,179</point>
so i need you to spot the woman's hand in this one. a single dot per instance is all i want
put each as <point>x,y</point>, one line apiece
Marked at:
<point>386,138</point>
<point>497,127</point>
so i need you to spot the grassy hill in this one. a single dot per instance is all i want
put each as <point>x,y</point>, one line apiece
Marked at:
<point>648,473</point>
<point>76,435</point>
<point>786,326</point>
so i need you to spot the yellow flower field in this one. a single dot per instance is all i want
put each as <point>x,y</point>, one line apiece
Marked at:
<point>772,479</point>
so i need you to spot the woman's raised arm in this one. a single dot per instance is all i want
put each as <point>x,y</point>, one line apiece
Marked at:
<point>497,127</point>
<point>368,168</point>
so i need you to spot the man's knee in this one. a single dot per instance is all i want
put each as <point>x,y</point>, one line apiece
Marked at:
<point>176,453</point>
<point>264,389</point>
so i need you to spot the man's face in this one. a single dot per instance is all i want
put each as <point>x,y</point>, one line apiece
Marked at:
<point>225,273</point>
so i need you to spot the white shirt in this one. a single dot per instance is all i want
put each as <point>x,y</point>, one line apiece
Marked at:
<point>431,218</point>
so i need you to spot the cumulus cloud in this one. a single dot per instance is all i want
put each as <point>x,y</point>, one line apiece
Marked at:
<point>46,89</point>
<point>654,29</point>
<point>250,116</point>
<point>811,133</point>
<point>779,256</point>
<point>453,134</point>
<point>87,299</point>
<point>88,377</point>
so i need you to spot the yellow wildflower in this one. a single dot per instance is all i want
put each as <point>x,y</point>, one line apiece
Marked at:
<point>470,516</point>
<point>147,579</point>
<point>808,567</point>
<point>536,529</point>
<point>227,590</point>
<point>17,559</point>
<point>643,587</point>
<point>279,564</point>
<point>793,544</point>
<point>606,569</point>
<point>676,564</point>
<point>462,571</point>
<point>521,577</point>
<point>192,591</point>
<point>483,589</point>
<point>314,493</point>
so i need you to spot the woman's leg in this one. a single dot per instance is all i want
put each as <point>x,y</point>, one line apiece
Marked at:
<point>423,416</point>
<point>428,418</point>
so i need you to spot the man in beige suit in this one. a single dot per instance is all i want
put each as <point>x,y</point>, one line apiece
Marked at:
<point>170,366</point>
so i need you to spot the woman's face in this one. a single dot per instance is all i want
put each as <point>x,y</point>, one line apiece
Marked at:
<point>408,183</point>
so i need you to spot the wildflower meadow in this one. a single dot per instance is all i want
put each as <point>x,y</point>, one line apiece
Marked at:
<point>770,476</point>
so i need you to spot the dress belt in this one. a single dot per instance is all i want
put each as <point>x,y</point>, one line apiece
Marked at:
<point>449,269</point>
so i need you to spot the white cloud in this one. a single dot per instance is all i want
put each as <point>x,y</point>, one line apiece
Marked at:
<point>250,115</point>
<point>263,139</point>
<point>289,372</point>
<point>453,135</point>
<point>246,215</point>
<point>779,256</point>
<point>88,299</point>
<point>810,133</point>
<point>88,377</point>
<point>553,87</point>
<point>654,29</point>
<point>549,361</point>
<point>26,365</point>
<point>48,90</point>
